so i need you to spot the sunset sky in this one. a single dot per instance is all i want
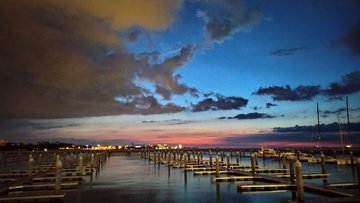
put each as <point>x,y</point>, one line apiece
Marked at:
<point>197,73</point>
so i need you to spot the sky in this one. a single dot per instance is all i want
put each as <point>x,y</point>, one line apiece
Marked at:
<point>219,73</point>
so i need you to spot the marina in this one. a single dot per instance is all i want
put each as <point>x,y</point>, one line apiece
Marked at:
<point>174,176</point>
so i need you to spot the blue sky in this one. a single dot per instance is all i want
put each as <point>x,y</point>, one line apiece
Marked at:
<point>214,73</point>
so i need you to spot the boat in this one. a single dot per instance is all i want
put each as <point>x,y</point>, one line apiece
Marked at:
<point>278,157</point>
<point>328,159</point>
<point>342,160</point>
<point>304,156</point>
<point>267,152</point>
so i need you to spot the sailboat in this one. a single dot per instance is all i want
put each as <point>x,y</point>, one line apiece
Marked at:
<point>343,160</point>
<point>318,160</point>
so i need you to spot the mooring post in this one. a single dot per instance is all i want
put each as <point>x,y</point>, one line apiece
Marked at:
<point>252,157</point>
<point>31,162</point>
<point>358,171</point>
<point>352,158</point>
<point>58,177</point>
<point>228,161</point>
<point>292,172</point>
<point>263,156</point>
<point>185,161</point>
<point>92,160</point>
<point>39,160</point>
<point>237,156</point>
<point>210,158</point>
<point>299,181</point>
<point>168,158</point>
<point>323,165</point>
<point>217,166</point>
<point>55,158</point>
<point>222,155</point>
<point>80,169</point>
<point>198,157</point>
<point>256,159</point>
<point>283,160</point>
<point>335,155</point>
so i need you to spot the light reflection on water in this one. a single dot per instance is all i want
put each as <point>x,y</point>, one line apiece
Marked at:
<point>135,179</point>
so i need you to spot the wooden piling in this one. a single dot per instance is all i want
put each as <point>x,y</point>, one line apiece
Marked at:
<point>323,164</point>
<point>210,158</point>
<point>256,159</point>
<point>252,163</point>
<point>292,172</point>
<point>299,181</point>
<point>352,157</point>
<point>283,161</point>
<point>31,164</point>
<point>217,166</point>
<point>58,177</point>
<point>80,169</point>
<point>228,161</point>
<point>358,171</point>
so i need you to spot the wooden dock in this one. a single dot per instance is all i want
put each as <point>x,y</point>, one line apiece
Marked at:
<point>266,187</point>
<point>308,176</point>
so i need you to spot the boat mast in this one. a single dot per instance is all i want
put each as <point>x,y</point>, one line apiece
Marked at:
<point>317,105</point>
<point>341,137</point>
<point>348,121</point>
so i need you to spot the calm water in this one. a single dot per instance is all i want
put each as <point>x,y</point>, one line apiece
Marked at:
<point>135,179</point>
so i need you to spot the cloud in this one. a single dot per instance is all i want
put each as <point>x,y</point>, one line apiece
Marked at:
<point>231,17</point>
<point>350,39</point>
<point>268,105</point>
<point>221,103</point>
<point>67,59</point>
<point>300,93</point>
<point>349,83</point>
<point>334,98</point>
<point>254,115</point>
<point>332,127</point>
<point>287,52</point>
<point>255,108</point>
<point>162,75</point>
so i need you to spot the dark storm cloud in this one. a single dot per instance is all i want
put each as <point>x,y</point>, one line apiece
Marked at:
<point>332,127</point>
<point>255,108</point>
<point>68,60</point>
<point>220,103</point>
<point>343,109</point>
<point>334,98</point>
<point>149,105</point>
<point>232,17</point>
<point>16,124</point>
<point>268,105</point>
<point>300,93</point>
<point>254,115</point>
<point>349,83</point>
<point>287,52</point>
<point>350,38</point>
<point>133,34</point>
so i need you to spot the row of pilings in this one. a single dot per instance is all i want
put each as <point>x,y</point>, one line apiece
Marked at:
<point>193,158</point>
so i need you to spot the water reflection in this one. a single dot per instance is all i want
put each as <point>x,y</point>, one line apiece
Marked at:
<point>218,197</point>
